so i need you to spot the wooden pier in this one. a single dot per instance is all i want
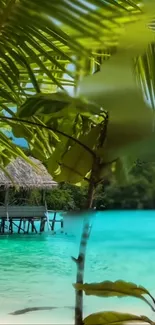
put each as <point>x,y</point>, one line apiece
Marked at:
<point>20,216</point>
<point>28,219</point>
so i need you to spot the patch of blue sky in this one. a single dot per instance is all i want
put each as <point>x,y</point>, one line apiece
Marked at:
<point>18,141</point>
<point>70,89</point>
<point>84,8</point>
<point>21,142</point>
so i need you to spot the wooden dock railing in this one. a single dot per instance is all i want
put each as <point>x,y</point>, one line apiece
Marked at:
<point>15,211</point>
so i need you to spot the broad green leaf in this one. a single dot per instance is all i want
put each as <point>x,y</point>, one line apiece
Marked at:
<point>122,168</point>
<point>132,40</point>
<point>115,88</point>
<point>57,105</point>
<point>45,37</point>
<point>77,161</point>
<point>44,104</point>
<point>130,117</point>
<point>40,45</point>
<point>110,289</point>
<point>66,126</point>
<point>113,318</point>
<point>20,132</point>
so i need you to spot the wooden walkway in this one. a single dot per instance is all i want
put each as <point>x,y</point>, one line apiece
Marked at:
<point>28,219</point>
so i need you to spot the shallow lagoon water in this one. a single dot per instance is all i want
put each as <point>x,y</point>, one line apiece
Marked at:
<point>37,271</point>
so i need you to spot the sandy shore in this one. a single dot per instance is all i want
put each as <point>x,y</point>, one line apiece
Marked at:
<point>63,316</point>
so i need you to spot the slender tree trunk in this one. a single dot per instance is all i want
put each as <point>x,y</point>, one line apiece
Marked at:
<point>80,261</point>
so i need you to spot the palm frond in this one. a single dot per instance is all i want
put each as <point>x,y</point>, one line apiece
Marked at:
<point>39,39</point>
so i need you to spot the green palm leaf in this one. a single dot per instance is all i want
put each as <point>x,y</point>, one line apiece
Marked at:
<point>39,39</point>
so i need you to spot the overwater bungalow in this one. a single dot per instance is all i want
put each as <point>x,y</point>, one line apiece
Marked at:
<point>22,218</point>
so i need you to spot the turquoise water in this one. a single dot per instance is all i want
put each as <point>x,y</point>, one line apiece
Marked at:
<point>37,271</point>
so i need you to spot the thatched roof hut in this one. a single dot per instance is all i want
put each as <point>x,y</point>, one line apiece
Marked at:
<point>25,176</point>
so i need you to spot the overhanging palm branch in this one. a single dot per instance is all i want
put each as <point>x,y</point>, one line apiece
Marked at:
<point>38,41</point>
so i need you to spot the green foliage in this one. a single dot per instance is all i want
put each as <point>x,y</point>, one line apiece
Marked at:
<point>56,105</point>
<point>67,133</point>
<point>111,289</point>
<point>77,162</point>
<point>130,119</point>
<point>44,38</point>
<point>70,127</point>
<point>113,318</point>
<point>118,289</point>
<point>64,197</point>
<point>67,141</point>
<point>137,193</point>
<point>68,146</point>
<point>40,60</point>
<point>60,199</point>
<point>79,194</point>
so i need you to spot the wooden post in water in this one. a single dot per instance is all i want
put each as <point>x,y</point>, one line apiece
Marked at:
<point>42,224</point>
<point>19,227</point>
<point>47,217</point>
<point>32,225</point>
<point>33,228</point>
<point>3,225</point>
<point>11,226</point>
<point>6,208</point>
<point>53,221</point>
<point>62,226</point>
<point>24,225</point>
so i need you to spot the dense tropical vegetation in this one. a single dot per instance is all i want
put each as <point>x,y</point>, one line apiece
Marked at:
<point>35,60</point>
<point>107,123</point>
<point>137,193</point>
